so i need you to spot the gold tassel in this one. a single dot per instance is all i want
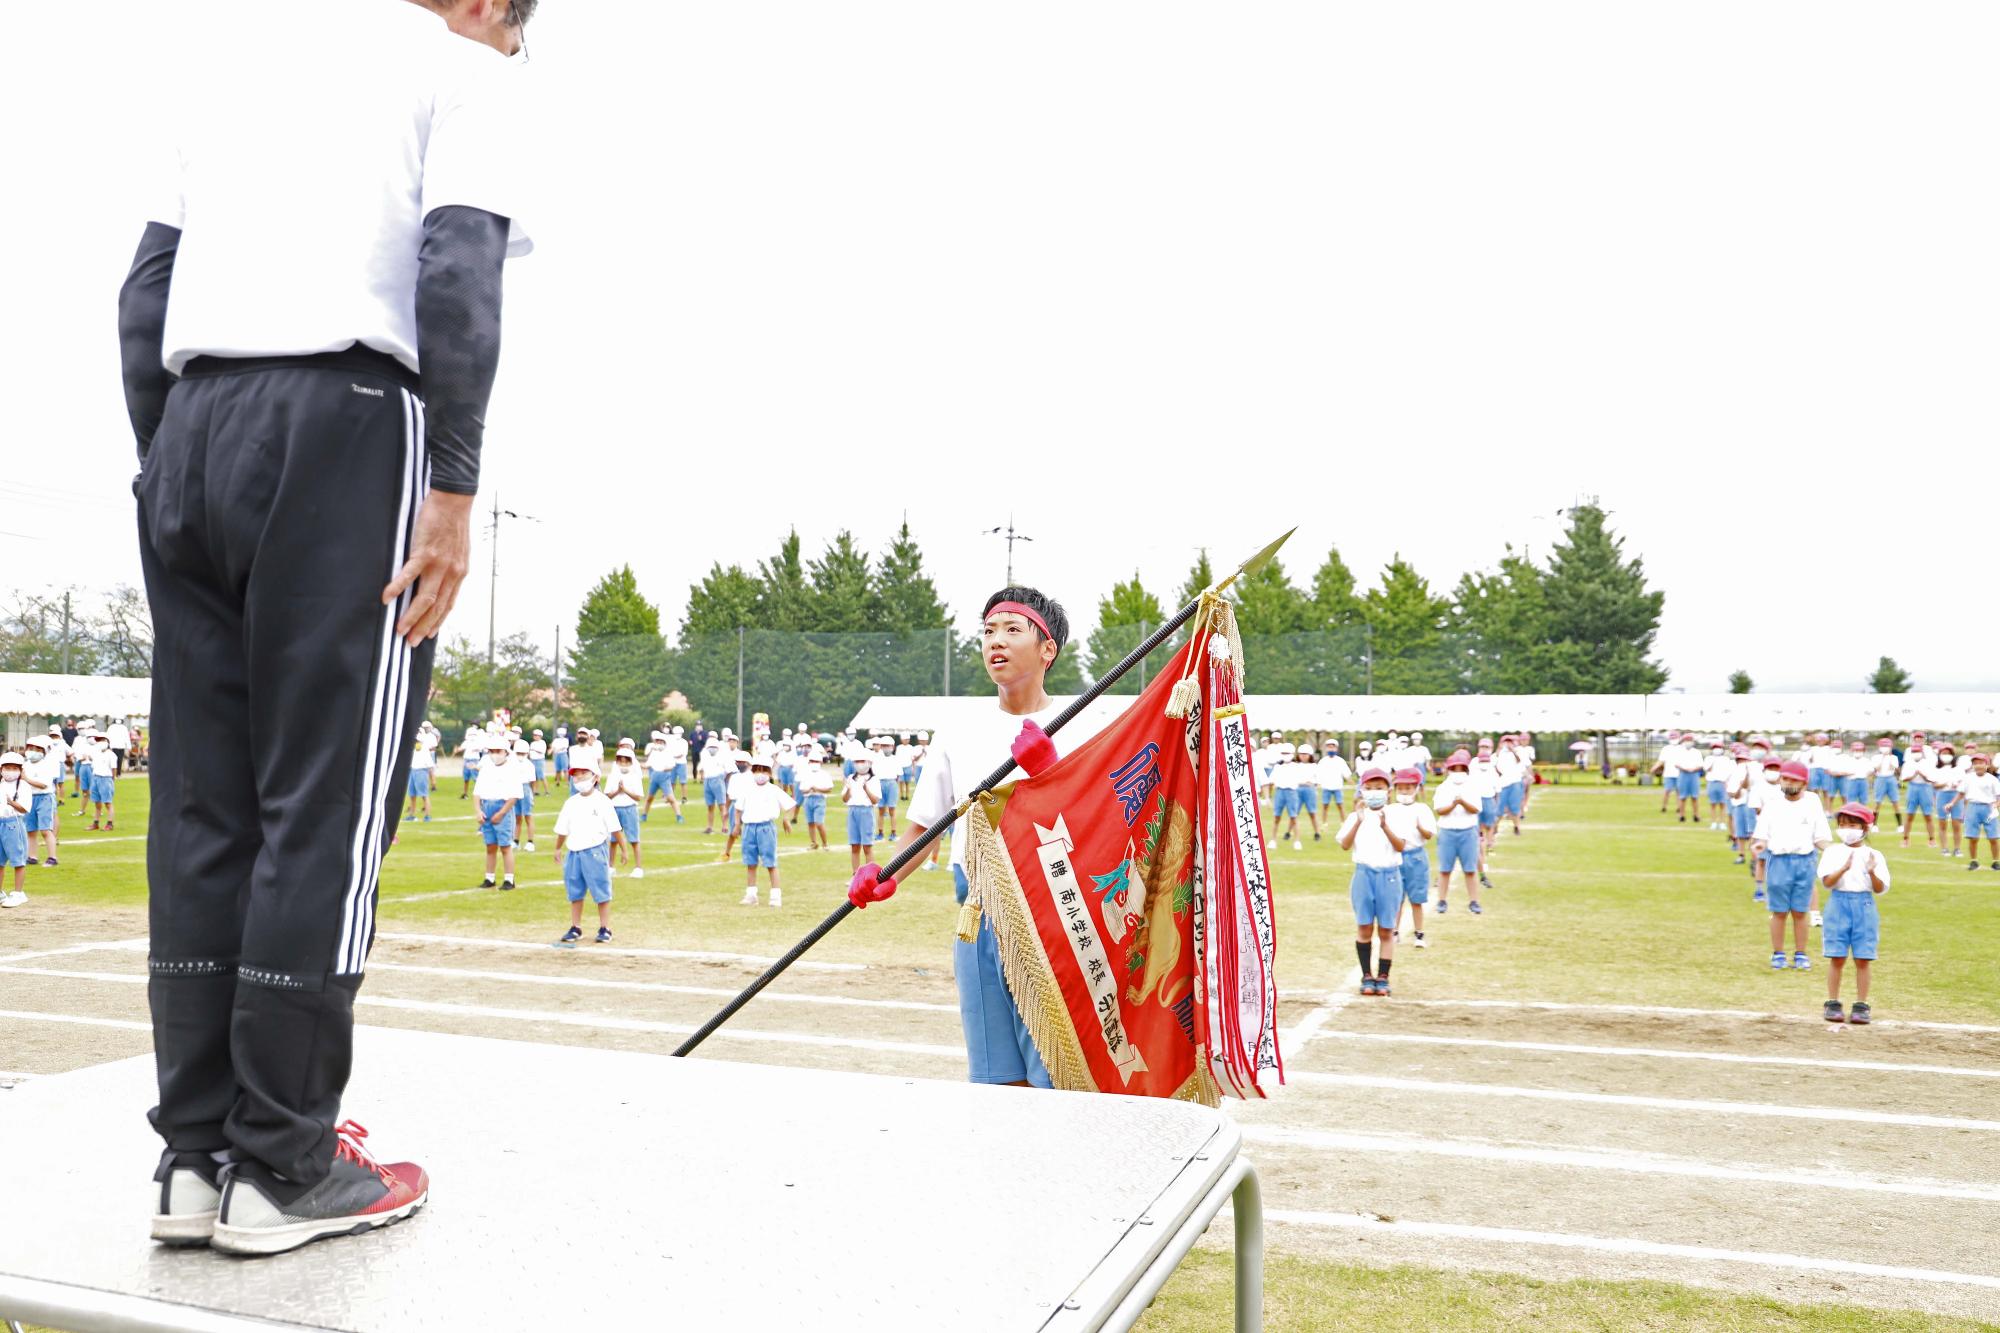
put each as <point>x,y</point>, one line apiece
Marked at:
<point>1186,694</point>
<point>975,876</point>
<point>1187,690</point>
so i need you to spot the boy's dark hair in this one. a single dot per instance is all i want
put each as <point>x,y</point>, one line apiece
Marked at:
<point>520,11</point>
<point>1048,608</point>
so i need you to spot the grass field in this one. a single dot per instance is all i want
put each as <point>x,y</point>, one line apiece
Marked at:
<point>1527,1134</point>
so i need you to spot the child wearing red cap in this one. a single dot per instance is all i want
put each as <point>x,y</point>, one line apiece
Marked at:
<point>1739,819</point>
<point>1416,825</point>
<point>1947,778</point>
<point>1793,830</point>
<point>1979,790</point>
<point>1761,788</point>
<point>1460,841</point>
<point>1919,772</point>
<point>1888,768</point>
<point>1377,887</point>
<point>1854,875</point>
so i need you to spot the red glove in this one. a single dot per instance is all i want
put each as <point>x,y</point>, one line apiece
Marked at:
<point>868,886</point>
<point>1033,750</point>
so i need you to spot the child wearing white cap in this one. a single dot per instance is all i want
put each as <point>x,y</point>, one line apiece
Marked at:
<point>417,790</point>
<point>885,780</point>
<point>660,777</point>
<point>625,788</point>
<point>43,774</point>
<point>861,795</point>
<point>715,771</point>
<point>104,780</point>
<point>1332,774</point>
<point>586,828</point>
<point>1919,774</point>
<point>538,755</point>
<point>522,768</point>
<point>815,785</point>
<point>759,806</point>
<point>497,793</point>
<point>15,798</point>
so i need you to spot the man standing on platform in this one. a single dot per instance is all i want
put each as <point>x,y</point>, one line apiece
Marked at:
<point>309,335</point>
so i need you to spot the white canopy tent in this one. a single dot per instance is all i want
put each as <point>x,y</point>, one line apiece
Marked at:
<point>1460,714</point>
<point>31,700</point>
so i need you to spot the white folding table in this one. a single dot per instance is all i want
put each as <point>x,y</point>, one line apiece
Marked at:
<point>577,1188</point>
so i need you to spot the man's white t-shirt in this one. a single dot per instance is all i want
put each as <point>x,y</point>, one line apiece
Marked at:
<point>973,747</point>
<point>300,180</point>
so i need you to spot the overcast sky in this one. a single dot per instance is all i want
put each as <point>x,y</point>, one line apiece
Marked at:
<point>1148,277</point>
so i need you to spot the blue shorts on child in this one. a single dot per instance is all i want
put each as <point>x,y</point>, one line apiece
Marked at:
<point>658,780</point>
<point>628,822</point>
<point>1284,801</point>
<point>1309,800</point>
<point>815,804</point>
<point>103,787</point>
<point>1742,820</point>
<point>588,871</point>
<point>420,782</point>
<point>14,841</point>
<point>1716,795</point>
<point>1788,881</point>
<point>83,775</point>
<point>1851,926</point>
<point>1885,789</point>
<point>1854,789</point>
<point>714,791</point>
<point>1377,892</point>
<point>1489,811</point>
<point>679,773</point>
<point>1922,799</point>
<point>1510,799</point>
<point>890,794</point>
<point>860,826</point>
<point>42,812</point>
<point>1980,820</point>
<point>490,833</point>
<point>760,844</point>
<point>1458,849</point>
<point>998,1047</point>
<point>526,805</point>
<point>1417,875</point>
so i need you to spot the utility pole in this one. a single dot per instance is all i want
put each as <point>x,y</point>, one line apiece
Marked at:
<point>947,660</point>
<point>1012,535</point>
<point>65,656</point>
<point>555,697</point>
<point>1368,656</point>
<point>493,586</point>
<point>739,684</point>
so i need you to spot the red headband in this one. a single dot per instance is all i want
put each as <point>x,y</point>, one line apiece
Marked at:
<point>1033,617</point>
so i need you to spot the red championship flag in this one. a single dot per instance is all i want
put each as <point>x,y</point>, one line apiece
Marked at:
<point>1130,893</point>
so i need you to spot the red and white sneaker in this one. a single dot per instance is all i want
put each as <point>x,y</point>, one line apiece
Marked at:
<point>189,1188</point>
<point>263,1213</point>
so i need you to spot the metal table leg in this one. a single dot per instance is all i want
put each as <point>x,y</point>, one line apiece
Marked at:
<point>1247,1203</point>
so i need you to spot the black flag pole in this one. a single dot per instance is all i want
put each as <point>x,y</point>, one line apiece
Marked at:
<point>914,852</point>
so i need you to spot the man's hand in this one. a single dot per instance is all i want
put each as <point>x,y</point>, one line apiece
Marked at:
<point>438,557</point>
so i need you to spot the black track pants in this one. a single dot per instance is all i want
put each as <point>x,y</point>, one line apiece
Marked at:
<point>277,502</point>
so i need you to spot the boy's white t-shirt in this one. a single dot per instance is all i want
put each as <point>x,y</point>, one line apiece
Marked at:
<point>1916,764</point>
<point>1286,773</point>
<point>1736,785</point>
<point>1334,773</point>
<point>1719,767</point>
<point>538,748</point>
<point>1855,880</point>
<point>523,770</point>
<point>657,758</point>
<point>716,763</point>
<point>1886,765</point>
<point>422,757</point>
<point>677,749</point>
<point>1412,821</point>
<point>761,803</point>
<point>1454,786</point>
<point>1507,767</point>
<point>496,783</point>
<point>1980,788</point>
<point>624,786</point>
<point>861,790</point>
<point>1789,827</point>
<point>1371,844</point>
<point>815,779</point>
<point>970,749</point>
<point>587,821</point>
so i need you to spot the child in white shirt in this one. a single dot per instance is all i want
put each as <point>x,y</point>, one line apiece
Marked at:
<point>1715,778</point>
<point>521,768</point>
<point>1376,889</point>
<point>1415,824</point>
<point>1286,774</point>
<point>625,785</point>
<point>758,807</point>
<point>15,798</point>
<point>586,828</point>
<point>1949,776</point>
<point>1854,875</point>
<point>43,775</point>
<point>1460,845</point>
<point>1792,828</point>
<point>496,793</point>
<point>860,794</point>
<point>815,785</point>
<point>1333,777</point>
<point>1979,791</point>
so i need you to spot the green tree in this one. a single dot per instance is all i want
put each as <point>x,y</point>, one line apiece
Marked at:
<point>466,688</point>
<point>1888,678</point>
<point>1407,631</point>
<point>1740,682</point>
<point>784,596</point>
<point>41,634</point>
<point>1200,578</point>
<point>843,588</point>
<point>1601,615</point>
<point>1498,628</point>
<point>703,663</point>
<point>1335,603</point>
<point>1124,617</point>
<point>619,668</point>
<point>1277,624</point>
<point>905,598</point>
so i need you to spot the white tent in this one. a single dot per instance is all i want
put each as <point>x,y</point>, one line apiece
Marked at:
<point>1459,714</point>
<point>31,700</point>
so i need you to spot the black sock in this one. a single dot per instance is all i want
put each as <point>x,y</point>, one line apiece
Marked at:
<point>1385,968</point>
<point>1361,952</point>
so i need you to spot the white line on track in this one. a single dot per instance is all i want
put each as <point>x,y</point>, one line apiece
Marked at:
<point>542,979</point>
<point>1624,1245</point>
<point>1761,1109</point>
<point>1646,1052</point>
<point>1594,1159</point>
<point>89,946</point>
<point>1677,1011</point>
<point>1332,1003</point>
<point>698,955</point>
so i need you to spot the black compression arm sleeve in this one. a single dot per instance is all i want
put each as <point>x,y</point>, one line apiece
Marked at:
<point>142,322</point>
<point>458,336</point>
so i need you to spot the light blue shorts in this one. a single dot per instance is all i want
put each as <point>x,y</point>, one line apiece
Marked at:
<point>1309,800</point>
<point>1980,820</point>
<point>1489,811</point>
<point>14,841</point>
<point>1851,925</point>
<point>1284,801</point>
<point>760,844</point>
<point>1816,779</point>
<point>890,794</point>
<point>1716,795</point>
<point>998,1048</point>
<point>1950,805</point>
<point>83,776</point>
<point>588,872</point>
<point>1458,849</point>
<point>1742,820</point>
<point>1377,894</point>
<point>541,769</point>
<point>860,826</point>
<point>420,782</point>
<point>715,791</point>
<point>1417,875</point>
<point>1788,881</point>
<point>525,807</point>
<point>628,822</point>
<point>658,780</point>
<point>1510,799</point>
<point>815,804</point>
<point>787,777</point>
<point>103,788</point>
<point>494,835</point>
<point>679,774</point>
<point>1922,799</point>
<point>1854,789</point>
<point>1886,789</point>
<point>1691,785</point>
<point>41,812</point>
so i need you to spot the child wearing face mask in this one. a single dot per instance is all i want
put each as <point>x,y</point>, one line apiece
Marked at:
<point>1792,828</point>
<point>759,807</point>
<point>1854,875</point>
<point>1950,803</point>
<point>1416,825</point>
<point>586,829</point>
<point>1377,887</point>
<point>1762,787</point>
<point>1919,772</point>
<point>861,794</point>
<point>627,787</point>
<point>1980,791</point>
<point>1887,769</point>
